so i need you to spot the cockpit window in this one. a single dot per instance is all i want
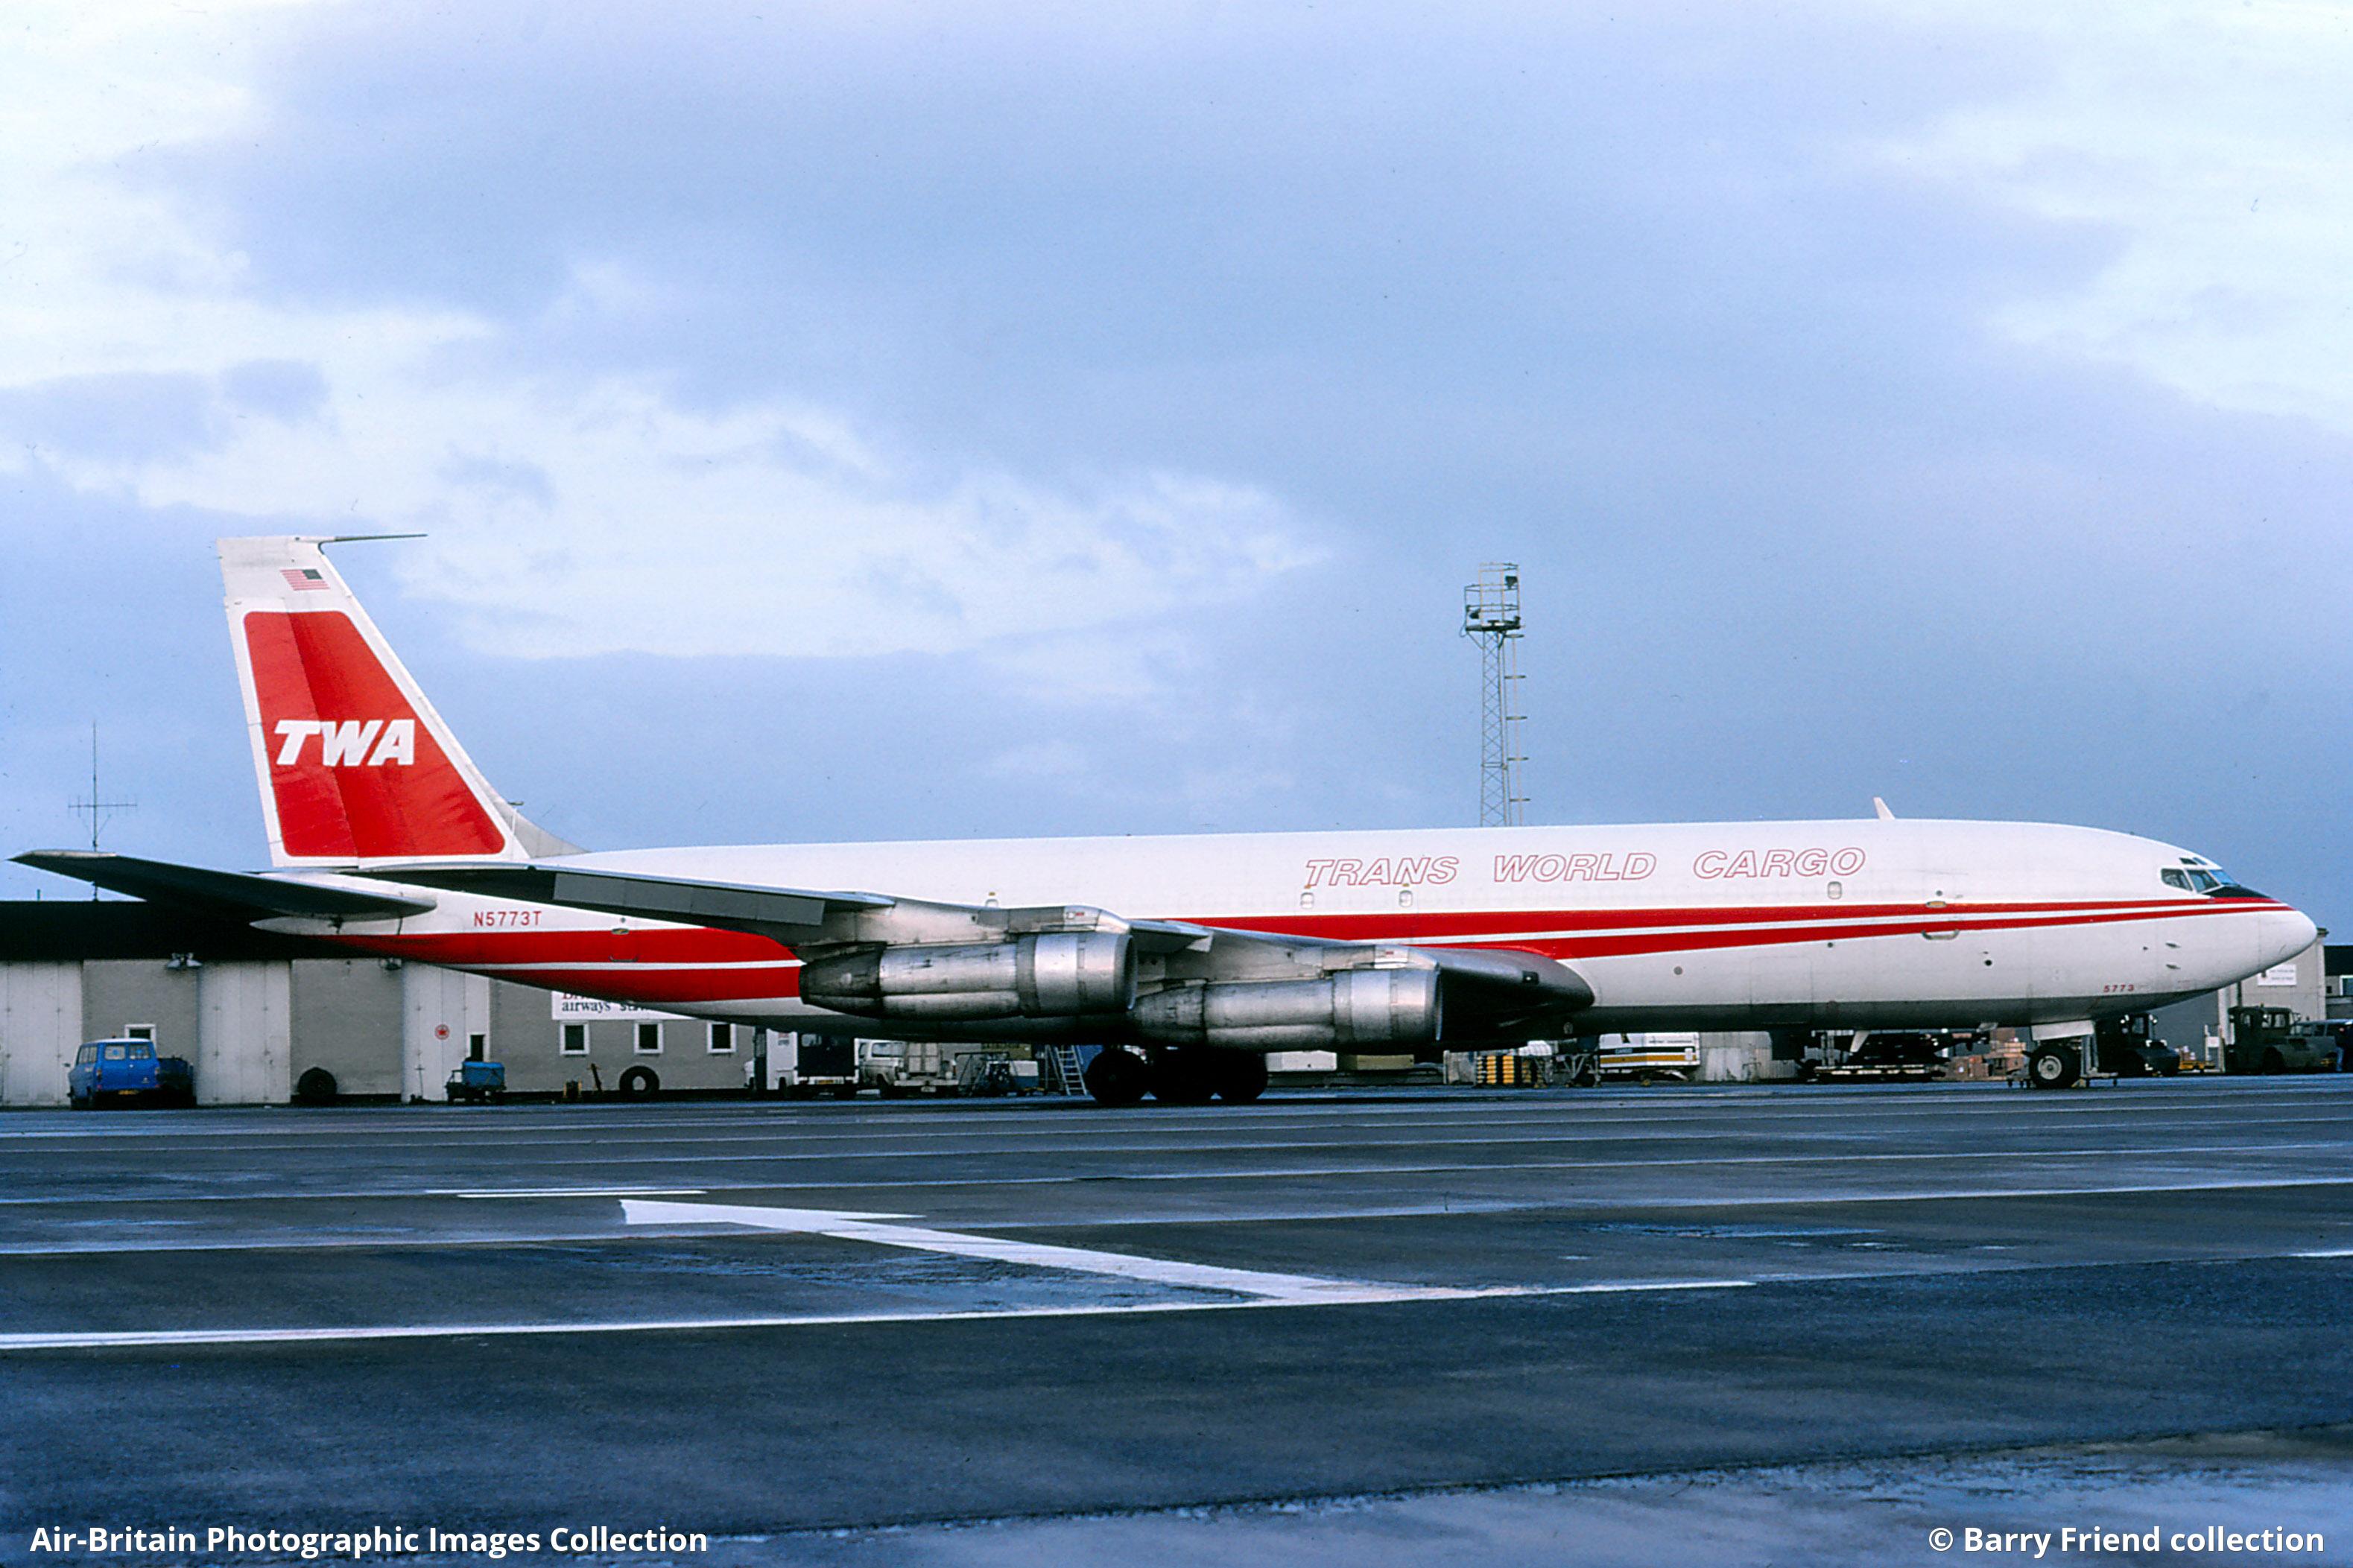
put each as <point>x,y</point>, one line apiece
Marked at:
<point>2205,881</point>
<point>2174,878</point>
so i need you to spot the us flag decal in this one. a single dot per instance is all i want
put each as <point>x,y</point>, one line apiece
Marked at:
<point>305,577</point>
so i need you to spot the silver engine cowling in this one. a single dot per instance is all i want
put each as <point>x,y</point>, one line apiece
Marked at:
<point>1354,1007</point>
<point>1059,974</point>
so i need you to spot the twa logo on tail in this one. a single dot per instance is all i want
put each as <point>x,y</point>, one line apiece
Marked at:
<point>350,744</point>
<point>354,763</point>
<point>353,789</point>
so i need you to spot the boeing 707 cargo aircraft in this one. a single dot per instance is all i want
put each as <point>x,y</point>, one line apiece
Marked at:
<point>1192,956</point>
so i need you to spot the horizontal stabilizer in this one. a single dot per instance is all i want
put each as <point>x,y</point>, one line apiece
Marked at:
<point>237,893</point>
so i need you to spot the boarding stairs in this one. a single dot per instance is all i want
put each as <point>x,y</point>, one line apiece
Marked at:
<point>1060,1071</point>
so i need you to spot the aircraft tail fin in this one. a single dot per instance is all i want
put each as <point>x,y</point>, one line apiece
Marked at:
<point>354,765</point>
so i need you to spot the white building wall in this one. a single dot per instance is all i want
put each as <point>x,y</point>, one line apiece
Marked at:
<point>40,1028</point>
<point>1741,1056</point>
<point>439,1007</point>
<point>2300,985</point>
<point>245,1033</point>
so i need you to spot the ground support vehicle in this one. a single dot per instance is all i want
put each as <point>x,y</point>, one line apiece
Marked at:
<point>991,1074</point>
<point>1511,1069</point>
<point>1885,1056</point>
<point>1649,1059</point>
<point>477,1083</point>
<point>2268,1040</point>
<point>800,1066</point>
<point>897,1067</point>
<point>2126,1048</point>
<point>127,1072</point>
<point>2332,1039</point>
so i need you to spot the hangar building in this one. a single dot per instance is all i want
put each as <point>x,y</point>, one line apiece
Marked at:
<point>254,1012</point>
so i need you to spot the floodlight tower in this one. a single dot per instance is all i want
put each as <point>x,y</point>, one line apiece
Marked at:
<point>1491,617</point>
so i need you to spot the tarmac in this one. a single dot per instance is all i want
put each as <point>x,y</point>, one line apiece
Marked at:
<point>1737,1324</point>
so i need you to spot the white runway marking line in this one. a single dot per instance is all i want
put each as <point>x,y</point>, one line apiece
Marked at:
<point>174,1337</point>
<point>564,1191</point>
<point>1296,1289</point>
<point>1258,1289</point>
<point>608,1160</point>
<point>116,1196</point>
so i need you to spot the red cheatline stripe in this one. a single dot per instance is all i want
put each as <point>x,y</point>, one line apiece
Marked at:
<point>1929,921</point>
<point>680,944</point>
<point>689,965</point>
<point>680,985</point>
<point>704,945</point>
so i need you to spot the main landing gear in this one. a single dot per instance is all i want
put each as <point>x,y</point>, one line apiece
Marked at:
<point>1176,1075</point>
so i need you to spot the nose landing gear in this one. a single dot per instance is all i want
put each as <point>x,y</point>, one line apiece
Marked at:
<point>2055,1066</point>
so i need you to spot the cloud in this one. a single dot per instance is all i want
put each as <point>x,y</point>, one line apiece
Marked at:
<point>572,510</point>
<point>108,421</point>
<point>2208,145</point>
<point>1881,398</point>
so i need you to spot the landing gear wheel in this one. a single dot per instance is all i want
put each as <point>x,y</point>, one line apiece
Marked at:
<point>1240,1076</point>
<point>1117,1078</point>
<point>2052,1067</point>
<point>1184,1077</point>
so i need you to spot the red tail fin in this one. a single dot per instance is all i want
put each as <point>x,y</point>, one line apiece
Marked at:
<point>354,763</point>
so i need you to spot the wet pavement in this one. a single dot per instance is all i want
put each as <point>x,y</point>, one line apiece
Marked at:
<point>1356,1328</point>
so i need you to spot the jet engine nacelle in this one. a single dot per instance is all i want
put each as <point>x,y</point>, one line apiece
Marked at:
<point>1354,1007</point>
<point>1056,975</point>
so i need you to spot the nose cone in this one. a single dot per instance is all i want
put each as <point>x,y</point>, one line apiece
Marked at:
<point>2285,933</point>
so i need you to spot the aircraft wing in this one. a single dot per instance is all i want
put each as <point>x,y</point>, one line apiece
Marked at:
<point>240,894</point>
<point>1493,988</point>
<point>787,914</point>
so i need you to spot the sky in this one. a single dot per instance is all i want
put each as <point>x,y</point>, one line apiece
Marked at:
<point>895,420</point>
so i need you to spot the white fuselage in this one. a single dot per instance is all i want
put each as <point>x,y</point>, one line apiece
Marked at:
<point>1869,923</point>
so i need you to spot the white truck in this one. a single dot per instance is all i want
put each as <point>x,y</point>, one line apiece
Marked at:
<point>798,1067</point>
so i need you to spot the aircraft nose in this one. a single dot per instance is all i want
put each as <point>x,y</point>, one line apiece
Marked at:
<point>2286,933</point>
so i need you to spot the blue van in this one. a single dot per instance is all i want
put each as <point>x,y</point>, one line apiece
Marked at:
<point>128,1072</point>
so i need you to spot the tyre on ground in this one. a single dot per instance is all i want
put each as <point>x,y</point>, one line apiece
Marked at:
<point>1183,1076</point>
<point>2052,1067</point>
<point>639,1081</point>
<point>1117,1078</point>
<point>1240,1076</point>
